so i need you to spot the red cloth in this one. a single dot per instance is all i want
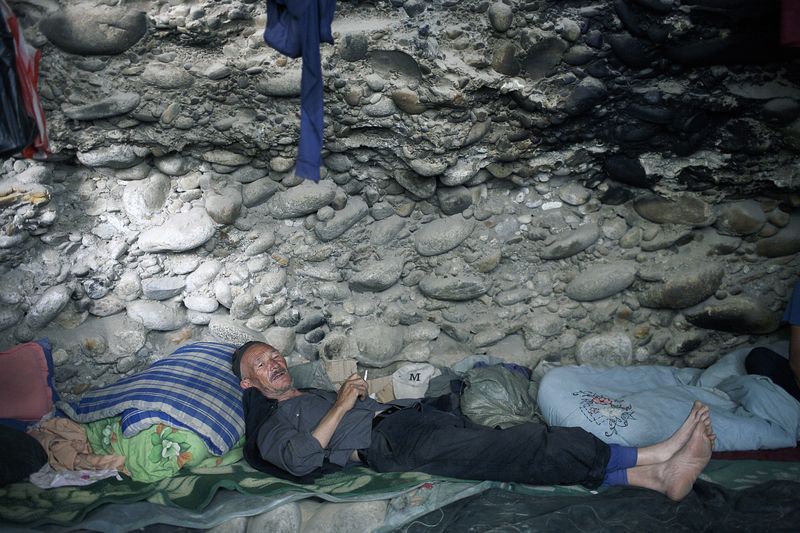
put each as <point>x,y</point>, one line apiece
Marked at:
<point>790,22</point>
<point>25,392</point>
<point>783,454</point>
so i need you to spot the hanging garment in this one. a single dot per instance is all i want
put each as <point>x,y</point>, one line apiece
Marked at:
<point>16,128</point>
<point>23,125</point>
<point>297,28</point>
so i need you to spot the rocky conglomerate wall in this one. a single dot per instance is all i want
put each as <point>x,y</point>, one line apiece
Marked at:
<point>591,181</point>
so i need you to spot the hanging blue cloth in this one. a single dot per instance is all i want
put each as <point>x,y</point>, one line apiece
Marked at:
<point>296,28</point>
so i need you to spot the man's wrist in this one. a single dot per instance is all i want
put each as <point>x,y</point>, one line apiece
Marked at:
<point>338,410</point>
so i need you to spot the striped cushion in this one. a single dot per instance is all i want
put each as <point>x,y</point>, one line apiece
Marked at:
<point>194,388</point>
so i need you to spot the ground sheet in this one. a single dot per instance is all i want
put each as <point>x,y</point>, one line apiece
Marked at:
<point>727,491</point>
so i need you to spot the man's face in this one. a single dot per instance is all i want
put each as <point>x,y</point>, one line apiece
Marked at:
<point>264,368</point>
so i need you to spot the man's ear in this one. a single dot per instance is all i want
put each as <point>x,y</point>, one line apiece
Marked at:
<point>245,383</point>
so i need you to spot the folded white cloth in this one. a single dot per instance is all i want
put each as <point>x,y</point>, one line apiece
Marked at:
<point>48,478</point>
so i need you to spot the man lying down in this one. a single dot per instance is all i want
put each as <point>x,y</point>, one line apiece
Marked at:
<point>301,434</point>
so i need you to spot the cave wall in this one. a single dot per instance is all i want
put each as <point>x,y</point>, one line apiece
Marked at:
<point>541,181</point>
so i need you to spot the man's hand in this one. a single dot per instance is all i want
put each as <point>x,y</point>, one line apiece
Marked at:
<point>352,389</point>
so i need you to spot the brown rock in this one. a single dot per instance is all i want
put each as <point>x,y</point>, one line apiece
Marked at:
<point>681,210</point>
<point>737,314</point>
<point>408,101</point>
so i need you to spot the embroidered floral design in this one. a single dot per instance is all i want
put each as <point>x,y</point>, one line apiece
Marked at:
<point>169,445</point>
<point>605,411</point>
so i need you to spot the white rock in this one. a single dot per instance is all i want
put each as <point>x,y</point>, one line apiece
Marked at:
<point>201,304</point>
<point>140,199</point>
<point>203,276</point>
<point>129,286</point>
<point>184,231</point>
<point>378,345</point>
<point>261,244</point>
<point>197,318</point>
<point>229,330</point>
<point>114,156</point>
<point>551,205</point>
<point>163,287</point>
<point>282,339</point>
<point>243,306</point>
<point>47,307</point>
<point>272,282</point>
<point>422,331</point>
<point>156,315</point>
<point>615,348</point>
<point>223,292</point>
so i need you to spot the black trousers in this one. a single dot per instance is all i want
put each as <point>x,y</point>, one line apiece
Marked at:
<point>444,443</point>
<point>765,362</point>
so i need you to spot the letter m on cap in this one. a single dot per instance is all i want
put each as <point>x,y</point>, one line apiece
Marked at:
<point>413,377</point>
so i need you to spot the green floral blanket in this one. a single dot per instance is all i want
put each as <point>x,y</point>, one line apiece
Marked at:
<point>156,453</point>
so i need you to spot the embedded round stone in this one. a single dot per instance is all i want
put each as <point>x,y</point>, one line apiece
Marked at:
<point>572,242</point>
<point>163,288</point>
<point>610,349</point>
<point>500,16</point>
<point>112,106</point>
<point>683,286</point>
<point>344,219</point>
<point>785,242</point>
<point>680,210</point>
<point>408,101</point>
<point>378,276</point>
<point>602,281</point>
<point>454,289</point>
<point>736,314</point>
<point>442,235</point>
<point>304,199</point>
<point>378,345</point>
<point>741,218</point>
<point>167,76</point>
<point>157,316</point>
<point>184,231</point>
<point>47,307</point>
<point>87,29</point>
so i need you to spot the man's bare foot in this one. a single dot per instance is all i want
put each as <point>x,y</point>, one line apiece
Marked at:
<point>681,471</point>
<point>661,452</point>
<point>705,420</point>
<point>675,477</point>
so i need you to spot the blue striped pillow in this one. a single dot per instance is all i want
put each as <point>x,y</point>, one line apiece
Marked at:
<point>194,388</point>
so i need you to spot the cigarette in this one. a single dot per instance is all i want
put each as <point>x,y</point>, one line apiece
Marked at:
<point>365,374</point>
